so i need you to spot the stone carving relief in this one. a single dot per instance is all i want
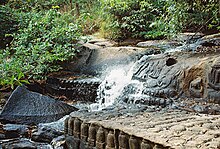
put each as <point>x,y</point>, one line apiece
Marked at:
<point>214,76</point>
<point>169,79</point>
<point>194,81</point>
<point>214,82</point>
<point>196,87</point>
<point>157,78</point>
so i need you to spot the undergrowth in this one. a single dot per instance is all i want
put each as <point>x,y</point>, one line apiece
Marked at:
<point>42,41</point>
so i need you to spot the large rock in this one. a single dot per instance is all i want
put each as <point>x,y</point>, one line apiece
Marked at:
<point>28,107</point>
<point>15,131</point>
<point>170,79</point>
<point>23,143</point>
<point>94,59</point>
<point>45,134</point>
<point>164,44</point>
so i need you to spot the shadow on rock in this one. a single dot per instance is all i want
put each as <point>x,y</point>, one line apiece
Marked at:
<point>26,107</point>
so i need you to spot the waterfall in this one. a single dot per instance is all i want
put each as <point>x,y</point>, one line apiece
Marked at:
<point>112,86</point>
<point>120,85</point>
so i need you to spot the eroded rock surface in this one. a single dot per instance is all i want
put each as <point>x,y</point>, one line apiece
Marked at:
<point>94,59</point>
<point>161,129</point>
<point>179,79</point>
<point>76,88</point>
<point>28,107</point>
<point>172,101</point>
<point>23,143</point>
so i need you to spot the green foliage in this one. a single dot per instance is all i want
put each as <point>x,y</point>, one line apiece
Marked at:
<point>11,74</point>
<point>170,21</point>
<point>8,25</point>
<point>45,39</point>
<point>48,38</point>
<point>90,15</point>
<point>28,5</point>
<point>134,17</point>
<point>152,19</point>
<point>109,28</point>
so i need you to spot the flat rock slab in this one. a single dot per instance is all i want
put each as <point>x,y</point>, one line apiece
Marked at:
<point>28,107</point>
<point>95,59</point>
<point>23,143</point>
<point>159,44</point>
<point>170,128</point>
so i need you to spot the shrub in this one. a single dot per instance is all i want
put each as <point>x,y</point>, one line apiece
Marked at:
<point>89,15</point>
<point>45,39</point>
<point>29,5</point>
<point>8,25</point>
<point>109,28</point>
<point>134,17</point>
<point>150,19</point>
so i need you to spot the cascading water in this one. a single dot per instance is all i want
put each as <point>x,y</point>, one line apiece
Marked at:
<point>186,47</point>
<point>120,84</point>
<point>137,94</point>
<point>111,88</point>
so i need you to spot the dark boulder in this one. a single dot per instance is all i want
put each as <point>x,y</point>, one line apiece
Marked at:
<point>45,134</point>
<point>15,131</point>
<point>26,107</point>
<point>23,143</point>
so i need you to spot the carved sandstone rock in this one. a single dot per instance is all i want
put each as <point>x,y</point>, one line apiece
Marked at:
<point>167,79</point>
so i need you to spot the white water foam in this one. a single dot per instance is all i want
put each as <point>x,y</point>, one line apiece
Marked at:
<point>111,88</point>
<point>186,46</point>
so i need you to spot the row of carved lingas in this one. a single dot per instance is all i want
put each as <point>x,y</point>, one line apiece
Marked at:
<point>103,138</point>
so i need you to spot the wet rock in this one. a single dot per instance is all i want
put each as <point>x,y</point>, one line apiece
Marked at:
<point>59,142</point>
<point>159,44</point>
<point>57,125</point>
<point>24,143</point>
<point>217,35</point>
<point>19,144</point>
<point>45,134</point>
<point>70,142</point>
<point>94,59</point>
<point>2,101</point>
<point>14,130</point>
<point>28,107</point>
<point>186,37</point>
<point>104,44</point>
<point>80,88</point>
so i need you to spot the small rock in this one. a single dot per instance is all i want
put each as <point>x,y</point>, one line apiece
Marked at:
<point>58,143</point>
<point>45,134</point>
<point>159,44</point>
<point>24,143</point>
<point>15,130</point>
<point>199,108</point>
<point>95,40</point>
<point>20,143</point>
<point>2,101</point>
<point>2,136</point>
<point>104,44</point>
<point>44,146</point>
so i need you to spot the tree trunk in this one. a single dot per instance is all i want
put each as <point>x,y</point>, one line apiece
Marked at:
<point>77,9</point>
<point>71,4</point>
